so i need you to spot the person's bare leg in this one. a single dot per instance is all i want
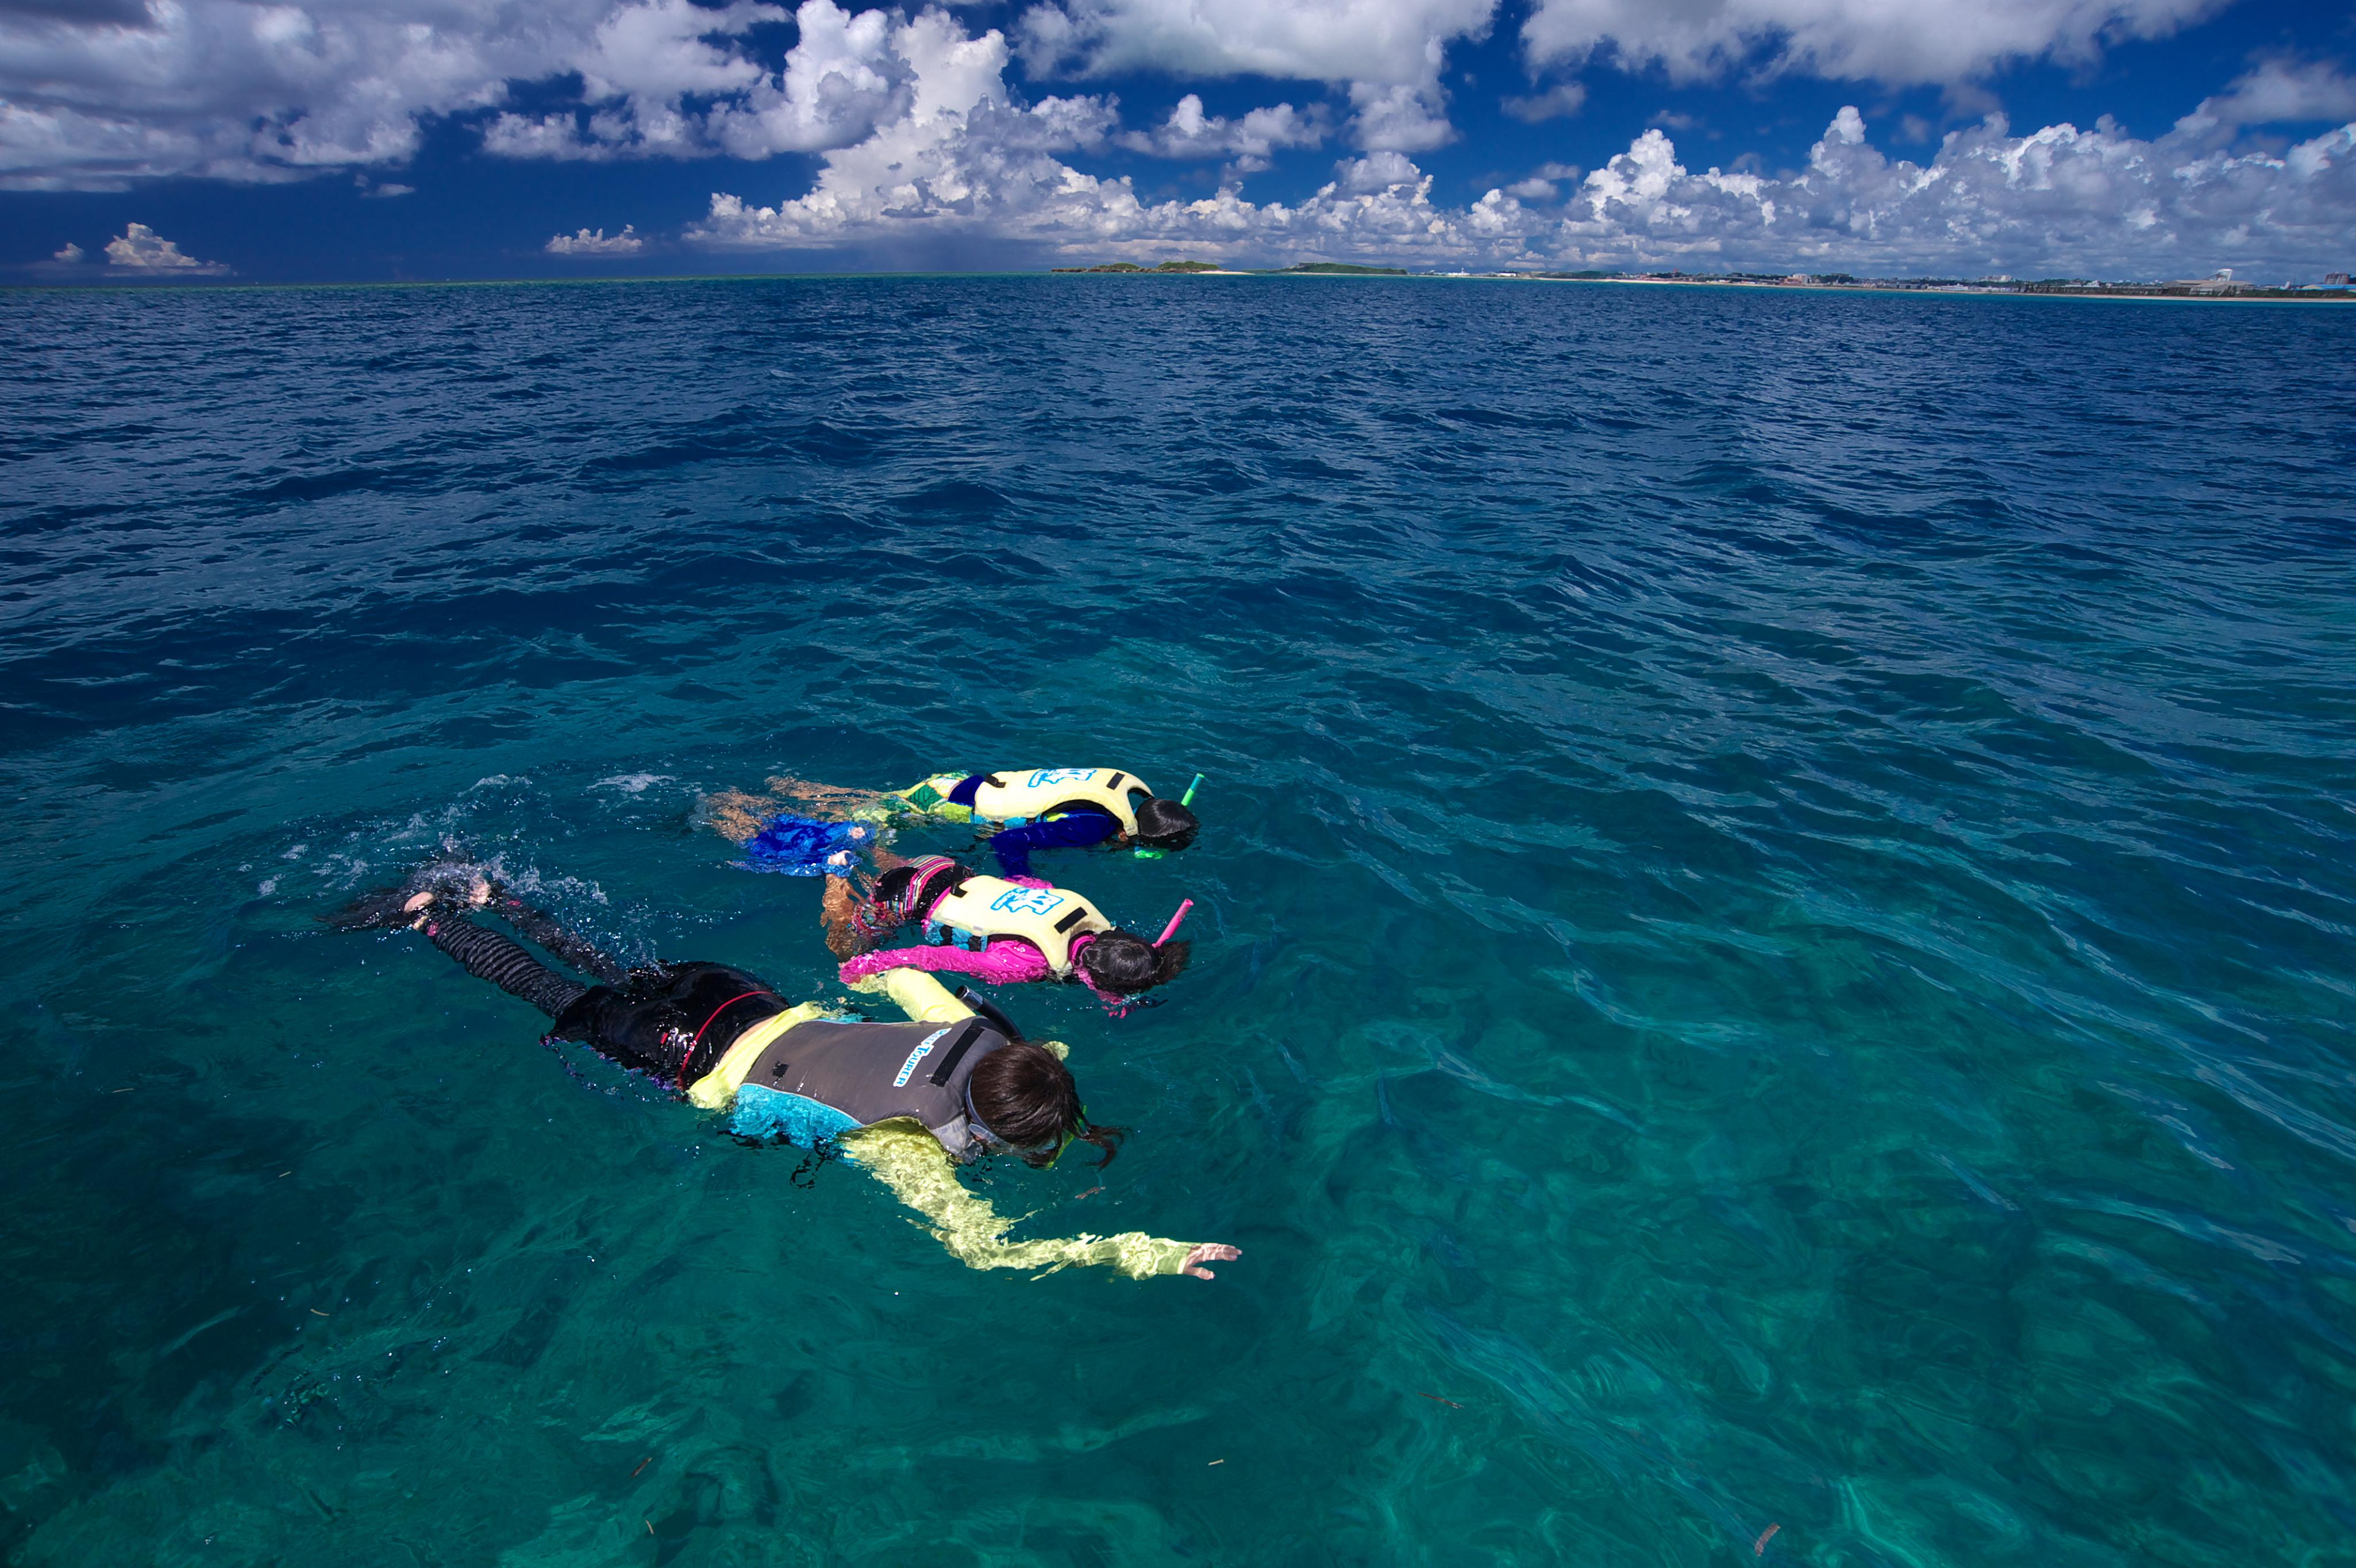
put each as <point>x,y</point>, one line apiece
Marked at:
<point>834,913</point>
<point>737,814</point>
<point>734,815</point>
<point>833,800</point>
<point>840,898</point>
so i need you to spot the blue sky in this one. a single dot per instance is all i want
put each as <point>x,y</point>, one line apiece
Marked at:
<point>366,139</point>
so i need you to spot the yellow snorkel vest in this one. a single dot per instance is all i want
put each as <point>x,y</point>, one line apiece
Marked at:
<point>991,907</point>
<point>1023,795</point>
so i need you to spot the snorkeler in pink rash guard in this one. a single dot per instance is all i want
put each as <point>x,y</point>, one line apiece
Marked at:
<point>1003,930</point>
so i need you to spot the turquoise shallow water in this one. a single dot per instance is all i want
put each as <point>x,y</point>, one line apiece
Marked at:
<point>1773,970</point>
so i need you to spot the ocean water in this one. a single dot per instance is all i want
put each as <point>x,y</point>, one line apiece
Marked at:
<point>1773,975</point>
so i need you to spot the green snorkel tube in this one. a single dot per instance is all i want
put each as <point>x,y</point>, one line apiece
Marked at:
<point>1144,853</point>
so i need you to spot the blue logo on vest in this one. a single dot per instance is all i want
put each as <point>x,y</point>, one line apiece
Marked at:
<point>1028,900</point>
<point>1061,776</point>
<point>908,1067</point>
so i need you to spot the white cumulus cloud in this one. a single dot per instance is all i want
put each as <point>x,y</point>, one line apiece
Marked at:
<point>919,137</point>
<point>242,90</point>
<point>959,157</point>
<point>967,159</point>
<point>2057,201</point>
<point>2285,91</point>
<point>1385,41</point>
<point>1377,171</point>
<point>1896,41</point>
<point>1251,140</point>
<point>839,81</point>
<point>1399,118</point>
<point>596,242</point>
<point>213,87</point>
<point>1555,104</point>
<point>1389,53</point>
<point>647,66</point>
<point>98,93</point>
<point>139,249</point>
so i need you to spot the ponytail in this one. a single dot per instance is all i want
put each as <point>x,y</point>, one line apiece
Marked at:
<point>1108,1139</point>
<point>1169,959</point>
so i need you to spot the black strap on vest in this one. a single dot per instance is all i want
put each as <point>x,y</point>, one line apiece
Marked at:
<point>1071,920</point>
<point>955,1052</point>
<point>1113,782</point>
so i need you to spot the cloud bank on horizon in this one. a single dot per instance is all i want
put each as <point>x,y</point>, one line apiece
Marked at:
<point>894,127</point>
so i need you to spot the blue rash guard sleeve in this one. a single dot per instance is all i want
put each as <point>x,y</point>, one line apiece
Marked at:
<point>1071,830</point>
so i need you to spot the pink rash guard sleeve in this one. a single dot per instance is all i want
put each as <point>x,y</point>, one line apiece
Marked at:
<point>1001,964</point>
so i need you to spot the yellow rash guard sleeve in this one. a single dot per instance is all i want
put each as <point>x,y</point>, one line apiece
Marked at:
<point>929,1002</point>
<point>925,1000</point>
<point>908,1160</point>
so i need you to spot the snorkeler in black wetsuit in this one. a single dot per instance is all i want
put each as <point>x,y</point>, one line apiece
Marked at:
<point>956,1082</point>
<point>672,1021</point>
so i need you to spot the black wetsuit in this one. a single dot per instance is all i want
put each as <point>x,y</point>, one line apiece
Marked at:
<point>671,1020</point>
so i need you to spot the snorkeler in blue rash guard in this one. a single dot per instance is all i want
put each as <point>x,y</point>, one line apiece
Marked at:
<point>1075,829</point>
<point>1043,809</point>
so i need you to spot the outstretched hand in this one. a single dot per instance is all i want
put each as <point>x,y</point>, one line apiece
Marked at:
<point>1208,1253</point>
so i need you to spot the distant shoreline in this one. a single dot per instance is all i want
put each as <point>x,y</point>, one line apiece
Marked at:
<point>2197,291</point>
<point>1945,289</point>
<point>1213,269</point>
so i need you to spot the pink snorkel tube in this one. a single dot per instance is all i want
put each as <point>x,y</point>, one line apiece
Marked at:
<point>1175,922</point>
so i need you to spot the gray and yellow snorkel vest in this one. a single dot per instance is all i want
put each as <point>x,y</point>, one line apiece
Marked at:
<point>821,1078</point>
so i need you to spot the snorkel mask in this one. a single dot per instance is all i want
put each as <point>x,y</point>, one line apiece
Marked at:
<point>1146,851</point>
<point>1029,1154</point>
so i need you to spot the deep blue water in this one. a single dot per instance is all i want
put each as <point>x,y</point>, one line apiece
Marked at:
<point>1772,982</point>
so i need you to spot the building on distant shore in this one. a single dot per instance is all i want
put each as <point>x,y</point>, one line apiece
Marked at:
<point>2220,281</point>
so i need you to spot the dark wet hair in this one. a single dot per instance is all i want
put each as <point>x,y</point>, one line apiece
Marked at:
<point>1025,1097</point>
<point>1166,823</point>
<point>1124,963</point>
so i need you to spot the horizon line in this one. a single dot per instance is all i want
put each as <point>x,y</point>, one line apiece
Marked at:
<point>1988,285</point>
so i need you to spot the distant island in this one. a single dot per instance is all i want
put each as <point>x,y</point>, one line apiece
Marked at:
<point>1133,266</point>
<point>2220,286</point>
<point>1343,269</point>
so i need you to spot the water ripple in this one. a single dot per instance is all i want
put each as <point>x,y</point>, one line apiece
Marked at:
<point>1772,941</point>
